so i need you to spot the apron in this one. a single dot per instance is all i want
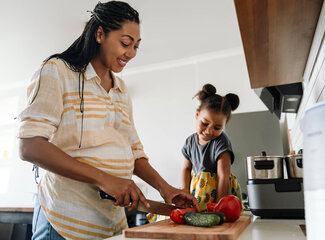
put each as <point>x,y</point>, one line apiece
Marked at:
<point>204,188</point>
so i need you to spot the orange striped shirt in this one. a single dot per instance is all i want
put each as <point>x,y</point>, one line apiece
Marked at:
<point>109,142</point>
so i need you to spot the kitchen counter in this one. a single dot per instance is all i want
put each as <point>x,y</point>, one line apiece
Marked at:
<point>18,220</point>
<point>270,229</point>
<point>16,215</point>
<point>263,229</point>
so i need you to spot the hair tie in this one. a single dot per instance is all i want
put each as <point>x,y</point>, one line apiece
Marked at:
<point>93,14</point>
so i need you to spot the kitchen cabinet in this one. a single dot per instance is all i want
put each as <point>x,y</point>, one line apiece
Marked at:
<point>277,36</point>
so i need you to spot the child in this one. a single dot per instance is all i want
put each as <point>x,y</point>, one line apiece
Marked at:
<point>208,152</point>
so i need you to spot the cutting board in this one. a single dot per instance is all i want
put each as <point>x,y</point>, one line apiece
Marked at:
<point>167,229</point>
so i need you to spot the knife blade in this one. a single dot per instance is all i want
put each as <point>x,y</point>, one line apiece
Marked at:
<point>155,206</point>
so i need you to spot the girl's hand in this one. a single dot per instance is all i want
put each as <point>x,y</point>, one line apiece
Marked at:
<point>179,197</point>
<point>125,191</point>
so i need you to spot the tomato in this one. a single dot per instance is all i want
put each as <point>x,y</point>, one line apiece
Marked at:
<point>211,206</point>
<point>230,205</point>
<point>177,214</point>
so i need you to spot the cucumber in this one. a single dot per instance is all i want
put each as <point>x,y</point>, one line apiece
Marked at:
<point>220,214</point>
<point>203,219</point>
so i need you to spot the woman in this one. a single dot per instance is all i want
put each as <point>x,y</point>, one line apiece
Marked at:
<point>78,126</point>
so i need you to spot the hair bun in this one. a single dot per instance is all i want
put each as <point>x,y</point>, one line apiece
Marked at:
<point>233,100</point>
<point>209,89</point>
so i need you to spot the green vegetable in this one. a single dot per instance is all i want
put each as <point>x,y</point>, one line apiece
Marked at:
<point>204,219</point>
<point>220,214</point>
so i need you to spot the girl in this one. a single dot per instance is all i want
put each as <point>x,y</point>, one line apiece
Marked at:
<point>208,152</point>
<point>78,126</point>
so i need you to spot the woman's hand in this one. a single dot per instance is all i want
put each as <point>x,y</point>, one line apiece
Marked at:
<point>179,197</point>
<point>125,191</point>
<point>171,195</point>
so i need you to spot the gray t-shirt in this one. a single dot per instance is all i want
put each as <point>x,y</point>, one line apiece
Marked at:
<point>204,157</point>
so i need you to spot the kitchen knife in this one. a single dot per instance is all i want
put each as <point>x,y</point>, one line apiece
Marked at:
<point>155,207</point>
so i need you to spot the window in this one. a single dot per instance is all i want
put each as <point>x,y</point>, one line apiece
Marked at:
<point>9,110</point>
<point>11,102</point>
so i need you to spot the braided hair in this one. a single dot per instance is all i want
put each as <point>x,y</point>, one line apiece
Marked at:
<point>212,101</point>
<point>110,16</point>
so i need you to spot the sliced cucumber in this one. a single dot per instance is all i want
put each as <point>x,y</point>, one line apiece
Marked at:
<point>203,219</point>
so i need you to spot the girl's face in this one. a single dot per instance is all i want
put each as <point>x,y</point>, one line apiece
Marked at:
<point>118,47</point>
<point>209,125</point>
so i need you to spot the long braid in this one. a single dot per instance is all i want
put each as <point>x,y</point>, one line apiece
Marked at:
<point>82,105</point>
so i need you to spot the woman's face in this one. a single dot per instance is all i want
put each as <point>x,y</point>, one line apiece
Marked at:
<point>118,47</point>
<point>209,125</point>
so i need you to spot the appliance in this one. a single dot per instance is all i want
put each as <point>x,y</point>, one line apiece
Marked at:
<point>281,98</point>
<point>294,165</point>
<point>264,167</point>
<point>270,195</point>
<point>276,198</point>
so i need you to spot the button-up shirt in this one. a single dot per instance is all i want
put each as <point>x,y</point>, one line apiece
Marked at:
<point>103,136</point>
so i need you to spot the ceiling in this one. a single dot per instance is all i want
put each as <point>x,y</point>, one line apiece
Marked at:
<point>185,28</point>
<point>170,29</point>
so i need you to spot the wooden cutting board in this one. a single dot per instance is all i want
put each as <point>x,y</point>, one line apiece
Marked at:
<point>167,229</point>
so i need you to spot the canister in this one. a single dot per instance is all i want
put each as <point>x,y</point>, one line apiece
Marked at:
<point>314,169</point>
<point>294,164</point>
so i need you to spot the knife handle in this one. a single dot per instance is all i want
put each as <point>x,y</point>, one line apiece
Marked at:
<point>104,195</point>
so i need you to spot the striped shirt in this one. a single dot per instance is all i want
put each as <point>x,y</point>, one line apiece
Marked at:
<point>109,142</point>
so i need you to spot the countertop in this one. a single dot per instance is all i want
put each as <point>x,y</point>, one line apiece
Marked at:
<point>16,215</point>
<point>17,209</point>
<point>262,229</point>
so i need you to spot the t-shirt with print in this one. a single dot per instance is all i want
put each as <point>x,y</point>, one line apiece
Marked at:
<point>204,157</point>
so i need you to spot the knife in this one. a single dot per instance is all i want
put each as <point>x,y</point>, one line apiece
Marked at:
<point>155,207</point>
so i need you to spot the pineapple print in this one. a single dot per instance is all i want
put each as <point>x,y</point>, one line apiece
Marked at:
<point>202,183</point>
<point>207,198</point>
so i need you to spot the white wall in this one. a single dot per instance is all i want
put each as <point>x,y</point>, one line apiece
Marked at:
<point>314,81</point>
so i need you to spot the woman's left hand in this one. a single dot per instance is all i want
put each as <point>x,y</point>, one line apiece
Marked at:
<point>179,197</point>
